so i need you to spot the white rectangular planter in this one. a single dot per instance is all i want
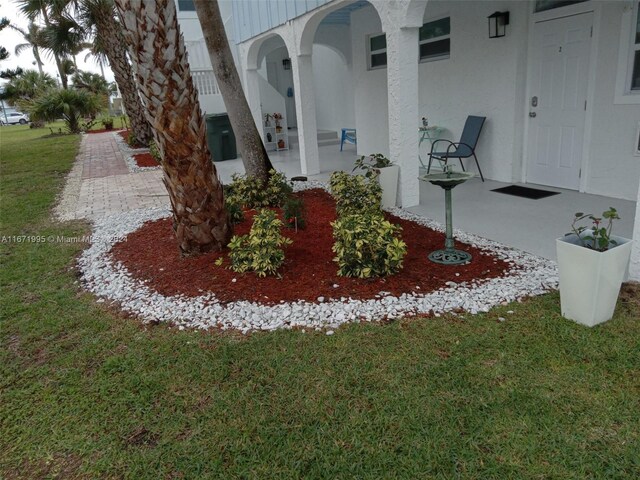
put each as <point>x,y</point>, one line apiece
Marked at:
<point>590,280</point>
<point>388,179</point>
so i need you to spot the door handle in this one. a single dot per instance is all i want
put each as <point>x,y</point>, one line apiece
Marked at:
<point>532,114</point>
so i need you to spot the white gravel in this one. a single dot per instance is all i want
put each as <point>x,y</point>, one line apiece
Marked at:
<point>530,275</point>
<point>128,153</point>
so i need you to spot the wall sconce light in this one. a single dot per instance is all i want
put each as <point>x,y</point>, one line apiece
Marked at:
<point>286,63</point>
<point>498,22</point>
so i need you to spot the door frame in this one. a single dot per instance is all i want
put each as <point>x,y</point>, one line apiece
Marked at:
<point>556,13</point>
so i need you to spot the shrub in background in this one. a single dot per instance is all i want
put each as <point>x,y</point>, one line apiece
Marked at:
<point>251,192</point>
<point>294,213</point>
<point>367,245</point>
<point>234,210</point>
<point>154,151</point>
<point>262,250</point>
<point>354,194</point>
<point>107,122</point>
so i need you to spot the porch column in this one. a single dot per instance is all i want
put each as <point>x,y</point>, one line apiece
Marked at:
<point>402,84</point>
<point>634,266</point>
<point>306,114</point>
<point>252,91</point>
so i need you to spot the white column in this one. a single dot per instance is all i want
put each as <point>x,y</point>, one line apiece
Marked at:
<point>252,92</point>
<point>634,266</point>
<point>402,84</point>
<point>306,114</point>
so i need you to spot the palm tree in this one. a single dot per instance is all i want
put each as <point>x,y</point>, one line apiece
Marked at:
<point>22,89</point>
<point>200,221</point>
<point>71,105</point>
<point>65,37</point>
<point>98,16</point>
<point>254,156</point>
<point>33,9</point>
<point>34,39</point>
<point>4,53</point>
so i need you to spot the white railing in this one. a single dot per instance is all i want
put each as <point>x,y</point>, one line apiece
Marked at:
<point>205,82</point>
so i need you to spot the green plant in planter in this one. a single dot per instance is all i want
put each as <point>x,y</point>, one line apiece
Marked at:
<point>599,236</point>
<point>294,213</point>
<point>355,194</point>
<point>367,245</point>
<point>107,123</point>
<point>372,164</point>
<point>251,192</point>
<point>262,250</point>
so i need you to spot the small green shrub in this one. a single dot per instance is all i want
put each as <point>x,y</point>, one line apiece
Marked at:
<point>251,192</point>
<point>294,213</point>
<point>354,194</point>
<point>132,140</point>
<point>234,210</point>
<point>367,246</point>
<point>107,122</point>
<point>154,151</point>
<point>262,250</point>
<point>371,164</point>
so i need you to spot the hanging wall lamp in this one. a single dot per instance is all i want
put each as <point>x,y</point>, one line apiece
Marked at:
<point>498,22</point>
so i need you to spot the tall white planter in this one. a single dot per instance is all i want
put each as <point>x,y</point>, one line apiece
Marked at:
<point>590,280</point>
<point>388,179</point>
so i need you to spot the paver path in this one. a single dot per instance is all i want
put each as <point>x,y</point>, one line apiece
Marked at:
<point>101,184</point>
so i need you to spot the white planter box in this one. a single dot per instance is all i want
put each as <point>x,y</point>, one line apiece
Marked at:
<point>589,280</point>
<point>388,179</point>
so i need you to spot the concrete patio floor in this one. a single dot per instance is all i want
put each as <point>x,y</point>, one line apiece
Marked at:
<point>529,225</point>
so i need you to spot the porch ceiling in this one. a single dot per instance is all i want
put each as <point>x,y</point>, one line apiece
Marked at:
<point>343,16</point>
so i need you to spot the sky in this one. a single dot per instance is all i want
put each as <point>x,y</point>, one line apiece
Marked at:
<point>9,38</point>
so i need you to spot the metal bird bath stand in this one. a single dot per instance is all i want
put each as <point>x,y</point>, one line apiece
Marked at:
<point>448,180</point>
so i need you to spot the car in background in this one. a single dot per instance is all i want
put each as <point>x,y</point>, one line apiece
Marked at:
<point>13,118</point>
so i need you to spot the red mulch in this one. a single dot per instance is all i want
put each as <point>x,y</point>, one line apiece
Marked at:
<point>102,130</point>
<point>125,134</point>
<point>151,254</point>
<point>145,160</point>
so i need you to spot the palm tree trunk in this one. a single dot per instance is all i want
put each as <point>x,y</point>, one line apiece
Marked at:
<point>36,54</point>
<point>116,51</point>
<point>200,221</point>
<point>63,76</point>
<point>254,156</point>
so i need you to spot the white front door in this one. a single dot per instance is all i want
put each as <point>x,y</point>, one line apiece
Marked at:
<point>557,101</point>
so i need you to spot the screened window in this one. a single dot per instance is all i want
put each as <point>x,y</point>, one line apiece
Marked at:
<point>435,39</point>
<point>377,51</point>
<point>186,6</point>
<point>635,53</point>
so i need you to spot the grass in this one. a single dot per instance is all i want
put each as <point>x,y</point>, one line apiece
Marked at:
<point>87,393</point>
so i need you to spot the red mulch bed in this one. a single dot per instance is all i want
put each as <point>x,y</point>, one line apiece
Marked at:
<point>145,160</point>
<point>125,134</point>
<point>151,254</point>
<point>102,130</point>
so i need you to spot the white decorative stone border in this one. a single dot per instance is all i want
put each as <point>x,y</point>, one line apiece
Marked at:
<point>530,275</point>
<point>128,153</point>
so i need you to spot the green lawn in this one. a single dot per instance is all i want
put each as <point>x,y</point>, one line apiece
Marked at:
<point>88,393</point>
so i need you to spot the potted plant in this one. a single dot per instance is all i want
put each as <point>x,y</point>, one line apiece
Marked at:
<point>277,117</point>
<point>378,166</point>
<point>107,123</point>
<point>592,264</point>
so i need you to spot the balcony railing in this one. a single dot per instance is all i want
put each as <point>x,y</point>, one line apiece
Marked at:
<point>205,82</point>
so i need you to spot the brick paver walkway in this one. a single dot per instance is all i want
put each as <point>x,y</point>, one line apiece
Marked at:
<point>101,184</point>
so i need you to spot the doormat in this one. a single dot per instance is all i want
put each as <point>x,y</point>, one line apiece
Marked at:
<point>525,192</point>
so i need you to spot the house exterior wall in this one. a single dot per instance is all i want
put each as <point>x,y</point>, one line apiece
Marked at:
<point>253,17</point>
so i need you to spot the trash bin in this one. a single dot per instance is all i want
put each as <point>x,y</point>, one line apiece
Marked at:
<point>220,137</point>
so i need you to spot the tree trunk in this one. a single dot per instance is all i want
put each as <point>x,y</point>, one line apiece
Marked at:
<point>115,46</point>
<point>36,54</point>
<point>254,156</point>
<point>63,76</point>
<point>200,221</point>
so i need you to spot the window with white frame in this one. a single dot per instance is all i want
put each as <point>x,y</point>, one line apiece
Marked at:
<point>377,47</point>
<point>186,6</point>
<point>634,81</point>
<point>435,39</point>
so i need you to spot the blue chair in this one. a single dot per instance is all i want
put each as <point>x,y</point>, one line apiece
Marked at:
<point>465,148</point>
<point>348,135</point>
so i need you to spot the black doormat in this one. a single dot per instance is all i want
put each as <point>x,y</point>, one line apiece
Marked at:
<point>526,192</point>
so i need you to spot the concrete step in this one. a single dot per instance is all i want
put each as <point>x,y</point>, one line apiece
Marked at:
<point>325,137</point>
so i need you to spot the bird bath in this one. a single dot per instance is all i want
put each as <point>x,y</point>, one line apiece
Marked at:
<point>448,180</point>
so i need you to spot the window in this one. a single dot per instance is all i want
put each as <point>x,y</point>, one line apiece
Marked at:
<point>377,51</point>
<point>542,5</point>
<point>186,6</point>
<point>435,39</point>
<point>634,84</point>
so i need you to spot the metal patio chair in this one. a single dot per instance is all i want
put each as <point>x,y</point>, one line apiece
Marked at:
<point>465,148</point>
